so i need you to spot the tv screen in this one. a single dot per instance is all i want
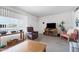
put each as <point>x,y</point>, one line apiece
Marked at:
<point>51,25</point>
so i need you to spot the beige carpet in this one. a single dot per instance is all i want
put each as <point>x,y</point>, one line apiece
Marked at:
<point>54,44</point>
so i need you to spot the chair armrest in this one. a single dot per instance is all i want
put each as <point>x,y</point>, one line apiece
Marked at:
<point>35,33</point>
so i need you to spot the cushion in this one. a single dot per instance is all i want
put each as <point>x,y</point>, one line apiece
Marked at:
<point>29,34</point>
<point>70,31</point>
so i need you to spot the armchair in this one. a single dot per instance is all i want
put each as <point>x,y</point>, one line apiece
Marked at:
<point>71,35</point>
<point>31,33</point>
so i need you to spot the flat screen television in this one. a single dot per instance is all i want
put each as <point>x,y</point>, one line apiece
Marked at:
<point>51,25</point>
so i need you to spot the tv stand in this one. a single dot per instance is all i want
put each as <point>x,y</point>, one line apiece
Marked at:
<point>50,31</point>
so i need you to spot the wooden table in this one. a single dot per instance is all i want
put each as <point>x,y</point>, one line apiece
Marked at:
<point>28,46</point>
<point>51,31</point>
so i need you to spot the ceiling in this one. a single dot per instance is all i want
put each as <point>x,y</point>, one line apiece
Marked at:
<point>46,10</point>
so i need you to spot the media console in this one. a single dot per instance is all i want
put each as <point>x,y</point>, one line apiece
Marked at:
<point>50,29</point>
<point>50,32</point>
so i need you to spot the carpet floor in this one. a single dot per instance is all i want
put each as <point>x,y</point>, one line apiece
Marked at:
<point>54,44</point>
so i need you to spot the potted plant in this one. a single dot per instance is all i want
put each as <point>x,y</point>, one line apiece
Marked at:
<point>76,22</point>
<point>62,26</point>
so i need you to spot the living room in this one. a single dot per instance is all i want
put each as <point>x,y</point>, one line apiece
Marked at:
<point>38,18</point>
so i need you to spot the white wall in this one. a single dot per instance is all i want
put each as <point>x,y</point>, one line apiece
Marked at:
<point>67,17</point>
<point>24,19</point>
<point>33,21</point>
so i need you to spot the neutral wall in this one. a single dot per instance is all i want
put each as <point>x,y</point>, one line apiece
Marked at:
<point>67,17</point>
<point>24,19</point>
<point>33,21</point>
